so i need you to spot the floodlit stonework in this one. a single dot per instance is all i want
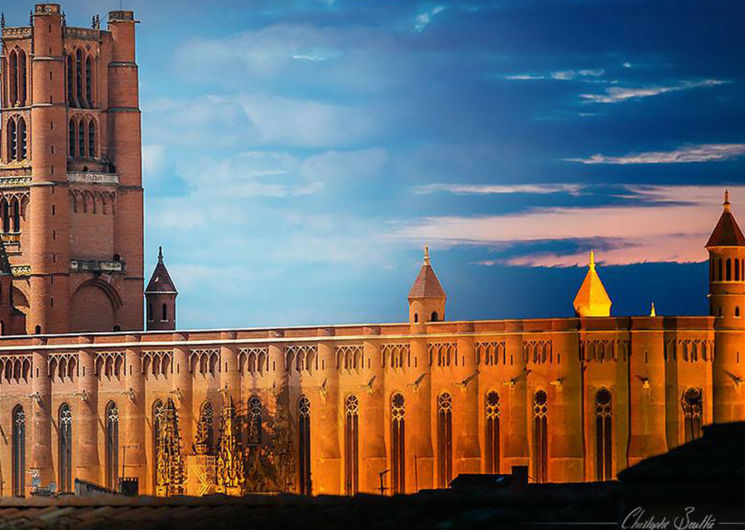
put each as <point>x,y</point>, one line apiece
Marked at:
<point>327,409</point>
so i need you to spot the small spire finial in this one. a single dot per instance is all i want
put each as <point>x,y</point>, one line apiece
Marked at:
<point>160,254</point>
<point>592,259</point>
<point>726,200</point>
<point>652,311</point>
<point>426,255</point>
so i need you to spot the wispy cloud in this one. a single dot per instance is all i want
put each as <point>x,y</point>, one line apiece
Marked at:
<point>657,224</point>
<point>497,189</point>
<point>682,155</point>
<point>583,74</point>
<point>422,20</point>
<point>619,94</point>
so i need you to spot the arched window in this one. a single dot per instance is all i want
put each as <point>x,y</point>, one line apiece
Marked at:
<point>65,448</point>
<point>445,439</point>
<point>149,311</point>
<point>12,140</point>
<point>254,421</point>
<point>737,270</point>
<point>398,444</point>
<point>22,148</point>
<point>164,311</point>
<point>112,445</point>
<point>303,407</point>
<point>207,422</point>
<point>19,451</point>
<point>13,78</point>
<point>22,78</point>
<point>79,77</point>
<point>737,310</point>
<point>81,138</point>
<point>416,317</point>
<point>15,213</point>
<point>89,81</point>
<point>5,213</point>
<point>491,436</point>
<point>719,269</point>
<point>351,445</point>
<point>70,80</point>
<point>729,269</point>
<point>603,436</point>
<point>434,316</point>
<point>540,436</point>
<point>71,138</point>
<point>157,418</point>
<point>91,139</point>
<point>692,410</point>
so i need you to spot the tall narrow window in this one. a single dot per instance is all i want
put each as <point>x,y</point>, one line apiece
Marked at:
<point>5,212</point>
<point>540,437</point>
<point>12,140</point>
<point>13,78</point>
<point>303,407</point>
<point>149,311</point>
<point>207,420</point>
<point>81,138</point>
<point>157,418</point>
<point>398,444</point>
<point>737,270</point>
<point>19,451</point>
<point>603,436</point>
<point>728,269</point>
<point>65,448</point>
<point>112,445</point>
<point>445,439</point>
<point>91,139</point>
<point>164,312</point>
<point>70,80</point>
<point>692,410</point>
<point>22,78</point>
<point>22,140</point>
<point>491,436</point>
<point>79,77</point>
<point>89,81</point>
<point>351,445</point>
<point>254,421</point>
<point>719,270</point>
<point>71,138</point>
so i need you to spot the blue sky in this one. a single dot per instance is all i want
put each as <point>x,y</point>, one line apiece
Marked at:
<point>298,154</point>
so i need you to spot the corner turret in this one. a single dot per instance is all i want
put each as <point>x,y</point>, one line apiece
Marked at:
<point>426,297</point>
<point>592,299</point>
<point>160,297</point>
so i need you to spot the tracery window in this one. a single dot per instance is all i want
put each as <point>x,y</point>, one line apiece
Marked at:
<point>79,76</point>
<point>65,448</point>
<point>351,445</point>
<point>89,81</point>
<point>12,140</point>
<point>491,436</point>
<point>692,411</point>
<point>112,445</point>
<point>254,421</point>
<point>70,80</point>
<point>19,451</point>
<point>304,446</point>
<point>81,138</point>
<point>445,439</point>
<point>71,135</point>
<point>540,436</point>
<point>91,139</point>
<point>398,443</point>
<point>603,436</point>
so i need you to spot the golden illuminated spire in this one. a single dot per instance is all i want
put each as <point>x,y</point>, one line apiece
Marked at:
<point>592,300</point>
<point>652,312</point>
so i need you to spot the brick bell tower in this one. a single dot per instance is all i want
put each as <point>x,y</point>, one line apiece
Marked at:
<point>160,298</point>
<point>70,172</point>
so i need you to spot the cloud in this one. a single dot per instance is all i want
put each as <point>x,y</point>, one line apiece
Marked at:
<point>621,94</point>
<point>496,189</point>
<point>422,20</point>
<point>682,155</point>
<point>656,224</point>
<point>153,160</point>
<point>584,74</point>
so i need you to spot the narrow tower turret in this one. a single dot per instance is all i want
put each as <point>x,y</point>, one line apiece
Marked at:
<point>726,248</point>
<point>426,297</point>
<point>160,297</point>
<point>592,299</point>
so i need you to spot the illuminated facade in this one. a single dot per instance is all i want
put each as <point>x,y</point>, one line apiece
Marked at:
<point>336,409</point>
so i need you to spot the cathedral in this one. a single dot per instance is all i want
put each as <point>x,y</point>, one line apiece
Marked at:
<point>87,394</point>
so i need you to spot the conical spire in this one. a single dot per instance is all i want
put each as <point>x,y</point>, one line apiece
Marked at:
<point>426,284</point>
<point>592,299</point>
<point>726,233</point>
<point>652,312</point>
<point>160,281</point>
